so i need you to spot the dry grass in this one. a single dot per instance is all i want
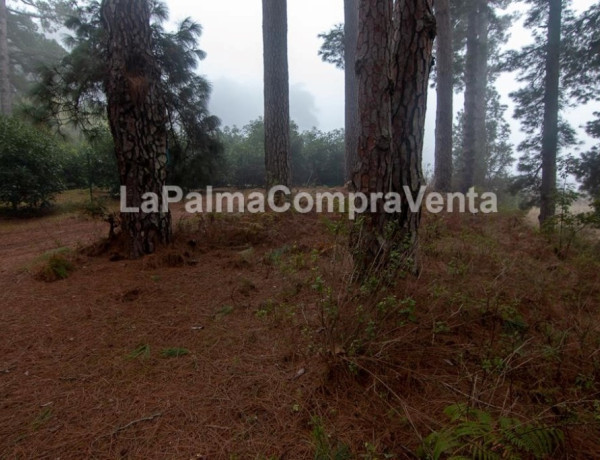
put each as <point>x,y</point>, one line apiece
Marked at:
<point>282,347</point>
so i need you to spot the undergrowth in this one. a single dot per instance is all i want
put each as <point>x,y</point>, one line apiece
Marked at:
<point>54,265</point>
<point>491,323</point>
<point>492,352</point>
<point>476,434</point>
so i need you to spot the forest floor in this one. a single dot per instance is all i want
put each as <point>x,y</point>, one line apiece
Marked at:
<point>246,340</point>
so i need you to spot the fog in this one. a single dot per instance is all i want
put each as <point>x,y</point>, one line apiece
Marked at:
<point>233,41</point>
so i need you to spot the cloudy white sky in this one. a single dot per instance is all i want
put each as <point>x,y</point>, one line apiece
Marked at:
<point>232,39</point>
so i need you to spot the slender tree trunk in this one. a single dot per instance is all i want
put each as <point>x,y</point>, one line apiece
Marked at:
<point>445,98</point>
<point>474,136</point>
<point>394,61</point>
<point>5,86</point>
<point>350,44</point>
<point>551,109</point>
<point>277,97</point>
<point>138,120</point>
<point>481,84</point>
<point>467,177</point>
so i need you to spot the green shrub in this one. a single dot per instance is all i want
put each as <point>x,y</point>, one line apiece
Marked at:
<point>30,165</point>
<point>56,268</point>
<point>317,157</point>
<point>92,163</point>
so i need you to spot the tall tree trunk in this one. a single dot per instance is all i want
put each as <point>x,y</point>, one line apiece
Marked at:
<point>373,173</point>
<point>5,86</point>
<point>138,120</point>
<point>481,84</point>
<point>350,44</point>
<point>551,109</point>
<point>394,61</point>
<point>476,69</point>
<point>277,93</point>
<point>445,98</point>
<point>415,31</point>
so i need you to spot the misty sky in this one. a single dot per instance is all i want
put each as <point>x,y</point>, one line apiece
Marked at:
<point>232,39</point>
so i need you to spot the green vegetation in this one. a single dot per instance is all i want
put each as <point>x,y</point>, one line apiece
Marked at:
<point>174,352</point>
<point>143,351</point>
<point>317,157</point>
<point>326,448</point>
<point>30,165</point>
<point>54,265</point>
<point>474,433</point>
<point>37,164</point>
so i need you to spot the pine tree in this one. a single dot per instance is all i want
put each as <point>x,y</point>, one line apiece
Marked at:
<point>498,155</point>
<point>351,88</point>
<point>138,120</point>
<point>71,92</point>
<point>445,97</point>
<point>582,72</point>
<point>277,96</point>
<point>339,49</point>
<point>555,76</point>
<point>476,79</point>
<point>551,110</point>
<point>394,62</point>
<point>23,48</point>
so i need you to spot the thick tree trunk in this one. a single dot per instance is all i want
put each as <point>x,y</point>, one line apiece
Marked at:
<point>350,44</point>
<point>394,61</point>
<point>373,173</point>
<point>415,31</point>
<point>138,120</point>
<point>551,109</point>
<point>445,98</point>
<point>277,98</point>
<point>476,69</point>
<point>5,86</point>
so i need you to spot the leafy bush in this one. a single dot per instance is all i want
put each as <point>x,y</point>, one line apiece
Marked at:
<point>92,163</point>
<point>74,168</point>
<point>193,165</point>
<point>100,153</point>
<point>321,159</point>
<point>245,155</point>
<point>30,165</point>
<point>317,157</point>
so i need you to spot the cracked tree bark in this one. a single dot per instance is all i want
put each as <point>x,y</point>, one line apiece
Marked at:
<point>138,121</point>
<point>394,63</point>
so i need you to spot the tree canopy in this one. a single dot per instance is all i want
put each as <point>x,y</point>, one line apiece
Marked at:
<point>72,90</point>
